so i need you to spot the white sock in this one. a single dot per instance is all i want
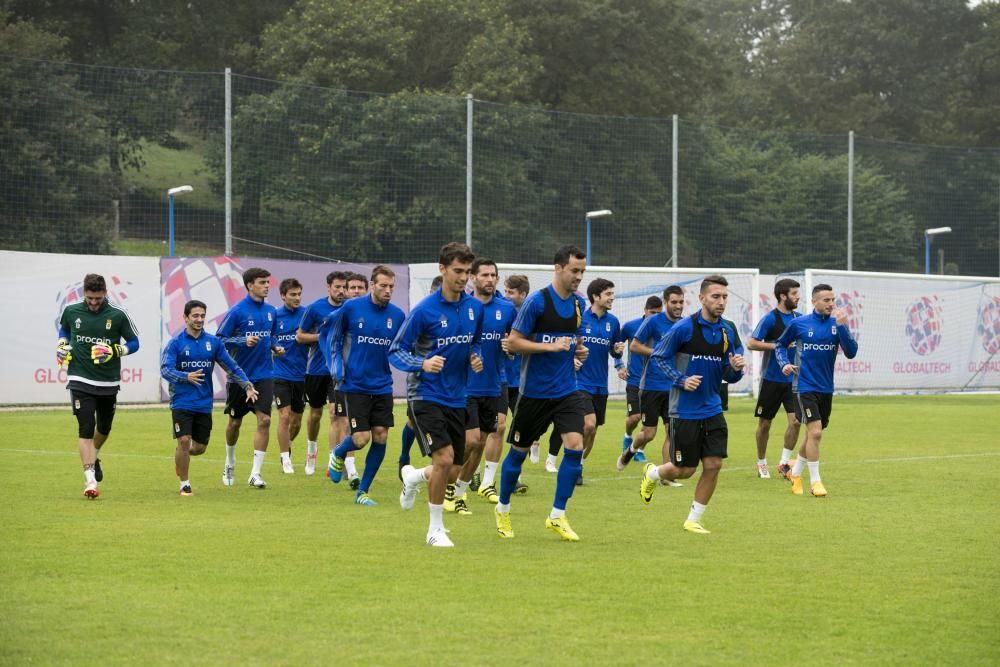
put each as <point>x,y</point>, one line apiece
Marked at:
<point>786,455</point>
<point>286,456</point>
<point>814,471</point>
<point>490,473</point>
<point>503,508</point>
<point>461,487</point>
<point>557,513</point>
<point>88,475</point>
<point>352,470</point>
<point>258,461</point>
<point>550,459</point>
<point>231,455</point>
<point>800,464</point>
<point>437,514</point>
<point>654,474</point>
<point>697,509</point>
<point>762,462</point>
<point>312,446</point>
<point>185,482</point>
<point>415,476</point>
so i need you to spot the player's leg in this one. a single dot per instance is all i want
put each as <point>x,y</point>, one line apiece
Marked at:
<point>283,399</point>
<point>85,411</point>
<point>262,413</point>
<point>380,419</point>
<point>791,432</point>
<point>356,408</point>
<point>406,439</point>
<point>491,456</point>
<point>105,415</point>
<point>237,407</point>
<point>555,443</point>
<point>568,419</point>
<point>632,412</point>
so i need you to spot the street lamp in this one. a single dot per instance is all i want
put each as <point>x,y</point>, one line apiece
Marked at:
<point>928,233</point>
<point>603,213</point>
<point>171,193</point>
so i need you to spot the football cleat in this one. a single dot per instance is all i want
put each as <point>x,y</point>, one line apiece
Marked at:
<point>91,491</point>
<point>579,480</point>
<point>449,498</point>
<point>476,481</point>
<point>257,482</point>
<point>286,467</point>
<point>228,473</point>
<point>407,497</point>
<point>504,528</point>
<point>640,456</point>
<point>562,528</point>
<point>186,490</point>
<point>647,485</point>
<point>439,538</point>
<point>336,470</point>
<point>520,489</point>
<point>354,482</point>
<point>796,484</point>
<point>696,527</point>
<point>98,473</point>
<point>533,453</point>
<point>671,482</point>
<point>363,499</point>
<point>461,507</point>
<point>310,468</point>
<point>550,466</point>
<point>785,471</point>
<point>625,457</point>
<point>817,489</point>
<point>489,493</point>
<point>762,471</point>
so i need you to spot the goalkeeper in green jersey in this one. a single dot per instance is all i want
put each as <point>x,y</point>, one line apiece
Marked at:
<point>94,334</point>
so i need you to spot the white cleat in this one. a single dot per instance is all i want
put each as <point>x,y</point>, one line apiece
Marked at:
<point>550,466</point>
<point>670,482</point>
<point>310,465</point>
<point>228,473</point>
<point>762,471</point>
<point>287,468</point>
<point>533,454</point>
<point>257,482</point>
<point>439,538</point>
<point>407,497</point>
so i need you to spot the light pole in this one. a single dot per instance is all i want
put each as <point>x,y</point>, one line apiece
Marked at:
<point>603,213</point>
<point>171,193</point>
<point>928,233</point>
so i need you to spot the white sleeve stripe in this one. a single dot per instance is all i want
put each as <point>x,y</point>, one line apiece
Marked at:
<point>131,322</point>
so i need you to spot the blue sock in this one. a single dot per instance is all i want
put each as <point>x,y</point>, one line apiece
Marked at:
<point>346,445</point>
<point>408,436</point>
<point>626,442</point>
<point>509,472</point>
<point>569,470</point>
<point>376,453</point>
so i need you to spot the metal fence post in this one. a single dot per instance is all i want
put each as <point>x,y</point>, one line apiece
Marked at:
<point>850,201</point>
<point>468,170</point>
<point>673,195</point>
<point>229,161</point>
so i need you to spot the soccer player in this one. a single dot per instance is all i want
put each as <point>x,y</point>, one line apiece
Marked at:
<point>483,390</point>
<point>633,369</point>
<point>654,386</point>
<point>248,331</point>
<point>318,384</point>
<point>696,354</point>
<point>361,332</point>
<point>90,344</point>
<point>187,364</point>
<point>545,332</point>
<point>438,344</point>
<point>289,370</point>
<point>816,338</point>
<point>776,387</point>
<point>357,285</point>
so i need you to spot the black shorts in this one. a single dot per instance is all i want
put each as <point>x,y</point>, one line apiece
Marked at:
<point>237,405</point>
<point>513,393</point>
<point>339,404</point>
<point>655,407</point>
<point>481,412</point>
<point>594,404</point>
<point>319,390</point>
<point>533,416</point>
<point>503,403</point>
<point>288,393</point>
<point>633,405</point>
<point>93,412</point>
<point>811,407</point>
<point>724,395</point>
<point>694,439</point>
<point>198,425</point>
<point>438,426</point>
<point>772,396</point>
<point>365,411</point>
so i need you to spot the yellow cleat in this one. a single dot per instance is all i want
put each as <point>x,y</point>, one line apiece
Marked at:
<point>561,527</point>
<point>489,493</point>
<point>503,525</point>
<point>461,507</point>
<point>696,527</point>
<point>796,484</point>
<point>647,485</point>
<point>817,489</point>
<point>449,498</point>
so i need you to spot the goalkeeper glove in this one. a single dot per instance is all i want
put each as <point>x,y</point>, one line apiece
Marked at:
<point>102,353</point>
<point>64,352</point>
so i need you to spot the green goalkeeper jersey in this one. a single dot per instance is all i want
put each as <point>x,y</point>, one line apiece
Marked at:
<point>84,329</point>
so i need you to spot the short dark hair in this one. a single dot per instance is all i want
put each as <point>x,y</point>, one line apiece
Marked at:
<point>336,275</point>
<point>596,288</point>
<point>714,279</point>
<point>567,251</point>
<point>436,282</point>
<point>483,261</point>
<point>518,282</point>
<point>455,252</point>
<point>672,289</point>
<point>192,304</point>
<point>653,302</point>
<point>94,282</point>
<point>784,286</point>
<point>252,274</point>
<point>382,270</point>
<point>822,287</point>
<point>289,283</point>
<point>351,277</point>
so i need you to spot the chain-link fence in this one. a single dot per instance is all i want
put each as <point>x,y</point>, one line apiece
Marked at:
<point>88,154</point>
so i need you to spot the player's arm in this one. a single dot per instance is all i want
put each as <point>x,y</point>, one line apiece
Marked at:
<point>758,336</point>
<point>330,336</point>
<point>664,354</point>
<point>401,354</point>
<point>305,334</point>
<point>644,332</point>
<point>617,348</point>
<point>232,369</point>
<point>847,341</point>
<point>781,346</point>
<point>227,330</point>
<point>168,365</point>
<point>64,349</point>
<point>734,362</point>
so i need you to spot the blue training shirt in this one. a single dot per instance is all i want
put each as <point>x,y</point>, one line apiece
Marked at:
<point>185,354</point>
<point>361,332</point>
<point>250,318</point>
<point>635,361</point>
<point>548,374</point>
<point>315,314</point>
<point>599,334</point>
<point>450,329</point>
<point>651,332</point>
<point>816,338</point>
<point>768,330</point>
<point>695,346</point>
<point>498,316</point>
<point>290,366</point>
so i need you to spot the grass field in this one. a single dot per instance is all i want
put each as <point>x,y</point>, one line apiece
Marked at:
<point>899,565</point>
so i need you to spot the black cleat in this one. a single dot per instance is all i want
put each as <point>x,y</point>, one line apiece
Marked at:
<point>476,482</point>
<point>521,489</point>
<point>98,473</point>
<point>579,480</point>
<point>355,483</point>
